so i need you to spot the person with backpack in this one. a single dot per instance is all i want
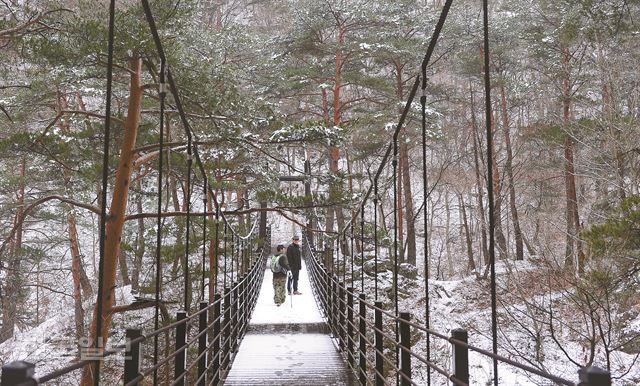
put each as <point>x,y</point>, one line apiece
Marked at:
<point>295,261</point>
<point>279,267</point>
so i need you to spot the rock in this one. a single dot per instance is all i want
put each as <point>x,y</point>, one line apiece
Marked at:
<point>408,270</point>
<point>383,265</point>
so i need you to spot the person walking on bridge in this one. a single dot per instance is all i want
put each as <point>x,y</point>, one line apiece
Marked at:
<point>293,256</point>
<point>279,267</point>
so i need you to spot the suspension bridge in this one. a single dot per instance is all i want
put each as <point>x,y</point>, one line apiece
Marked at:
<point>346,337</point>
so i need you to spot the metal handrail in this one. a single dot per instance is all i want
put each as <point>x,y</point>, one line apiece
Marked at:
<point>246,289</point>
<point>335,308</point>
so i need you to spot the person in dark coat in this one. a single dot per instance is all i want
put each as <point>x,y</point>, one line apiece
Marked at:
<point>295,262</point>
<point>280,278</point>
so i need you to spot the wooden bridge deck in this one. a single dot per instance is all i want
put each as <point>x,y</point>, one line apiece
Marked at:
<point>288,345</point>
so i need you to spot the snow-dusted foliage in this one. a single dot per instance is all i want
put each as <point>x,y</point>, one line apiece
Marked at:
<point>290,106</point>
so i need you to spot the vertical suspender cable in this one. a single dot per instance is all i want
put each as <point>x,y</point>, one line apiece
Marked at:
<point>492,252</point>
<point>204,237</point>
<point>105,175</point>
<point>216,251</point>
<point>362,249</point>
<point>352,254</point>
<point>233,253</point>
<point>344,258</point>
<point>224,280</point>
<point>335,264</point>
<point>423,103</point>
<point>156,320</point>
<point>375,236</point>
<point>187,284</point>
<point>394,163</point>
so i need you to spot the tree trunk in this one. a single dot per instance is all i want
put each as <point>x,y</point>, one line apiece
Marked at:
<point>406,177</point>
<point>13,281</point>
<point>509,169</point>
<point>408,204</point>
<point>497,189</point>
<point>334,151</point>
<point>219,4</point>
<point>77,266</point>
<point>140,244</point>
<point>479,181</point>
<point>471,265</point>
<point>115,219</point>
<point>180,227</point>
<point>76,263</point>
<point>572,215</point>
<point>124,268</point>
<point>400,216</point>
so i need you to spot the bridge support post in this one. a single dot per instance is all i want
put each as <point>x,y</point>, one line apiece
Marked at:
<point>181,339</point>
<point>180,358</point>
<point>379,344</point>
<point>17,373</point>
<point>594,376</point>
<point>202,345</point>
<point>132,356</point>
<point>350,326</point>
<point>215,363</point>
<point>460,355</point>
<point>362,335</point>
<point>405,342</point>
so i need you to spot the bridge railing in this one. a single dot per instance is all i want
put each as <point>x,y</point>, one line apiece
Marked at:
<point>375,353</point>
<point>204,346</point>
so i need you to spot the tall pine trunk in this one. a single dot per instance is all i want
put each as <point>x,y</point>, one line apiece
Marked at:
<point>335,187</point>
<point>509,170</point>
<point>479,180</point>
<point>573,251</point>
<point>11,287</point>
<point>497,189</point>
<point>115,219</point>
<point>471,264</point>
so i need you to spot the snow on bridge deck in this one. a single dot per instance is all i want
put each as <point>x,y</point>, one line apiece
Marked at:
<point>288,345</point>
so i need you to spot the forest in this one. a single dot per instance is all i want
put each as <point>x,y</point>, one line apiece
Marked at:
<point>275,89</point>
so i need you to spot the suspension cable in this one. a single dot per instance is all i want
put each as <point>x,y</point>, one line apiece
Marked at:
<point>492,254</point>
<point>105,176</point>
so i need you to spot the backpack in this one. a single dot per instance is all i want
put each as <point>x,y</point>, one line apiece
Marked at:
<point>275,264</point>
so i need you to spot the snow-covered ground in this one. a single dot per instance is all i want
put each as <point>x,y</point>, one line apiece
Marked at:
<point>453,303</point>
